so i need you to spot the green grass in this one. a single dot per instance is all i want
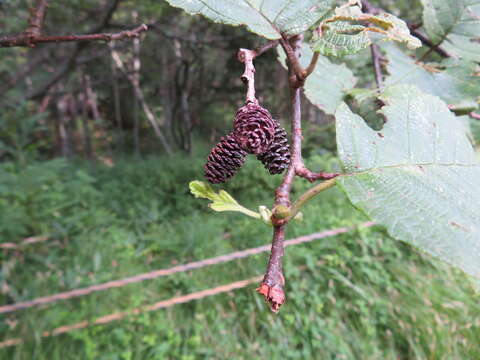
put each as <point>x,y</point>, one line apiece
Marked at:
<point>354,296</point>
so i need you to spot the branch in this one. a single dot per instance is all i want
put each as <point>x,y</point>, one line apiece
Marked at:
<point>376,56</point>
<point>261,49</point>
<point>248,77</point>
<point>272,284</point>
<point>293,60</point>
<point>33,40</point>
<point>311,176</point>
<point>246,57</point>
<point>79,46</point>
<point>427,42</point>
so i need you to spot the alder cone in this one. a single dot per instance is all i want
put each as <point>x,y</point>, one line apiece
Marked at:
<point>254,128</point>
<point>224,160</point>
<point>277,158</point>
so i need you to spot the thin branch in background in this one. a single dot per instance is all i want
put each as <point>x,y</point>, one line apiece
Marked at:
<point>427,42</point>
<point>32,35</point>
<point>27,241</point>
<point>369,8</point>
<point>72,61</point>
<point>433,48</point>
<point>376,57</point>
<point>141,98</point>
<point>31,41</point>
<point>261,49</point>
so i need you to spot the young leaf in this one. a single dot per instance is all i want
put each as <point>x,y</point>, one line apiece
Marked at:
<point>457,82</point>
<point>349,29</point>
<point>418,176</point>
<point>455,25</point>
<point>267,18</point>
<point>221,201</point>
<point>327,85</point>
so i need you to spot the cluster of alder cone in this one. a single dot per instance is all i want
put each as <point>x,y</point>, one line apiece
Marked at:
<point>254,132</point>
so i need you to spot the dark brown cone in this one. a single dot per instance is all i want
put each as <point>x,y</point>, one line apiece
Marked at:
<point>277,158</point>
<point>254,128</point>
<point>224,160</point>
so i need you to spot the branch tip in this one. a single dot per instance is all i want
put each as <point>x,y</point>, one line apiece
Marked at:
<point>274,296</point>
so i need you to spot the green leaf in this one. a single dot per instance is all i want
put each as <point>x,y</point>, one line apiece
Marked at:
<point>267,18</point>
<point>455,24</point>
<point>327,85</point>
<point>418,176</point>
<point>349,29</point>
<point>199,189</point>
<point>456,82</point>
<point>221,201</point>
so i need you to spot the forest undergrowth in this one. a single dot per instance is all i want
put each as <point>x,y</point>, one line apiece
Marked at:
<point>356,295</point>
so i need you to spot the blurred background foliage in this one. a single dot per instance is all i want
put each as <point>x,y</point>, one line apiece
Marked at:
<point>80,165</point>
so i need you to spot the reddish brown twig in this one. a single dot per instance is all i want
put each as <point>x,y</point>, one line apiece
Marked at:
<point>272,285</point>
<point>71,61</point>
<point>22,40</point>
<point>311,176</point>
<point>267,46</point>
<point>297,73</point>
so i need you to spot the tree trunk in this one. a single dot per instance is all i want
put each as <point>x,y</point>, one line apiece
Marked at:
<point>136,76</point>
<point>116,100</point>
<point>87,137</point>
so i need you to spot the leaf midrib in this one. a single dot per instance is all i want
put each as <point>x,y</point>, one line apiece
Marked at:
<point>400,166</point>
